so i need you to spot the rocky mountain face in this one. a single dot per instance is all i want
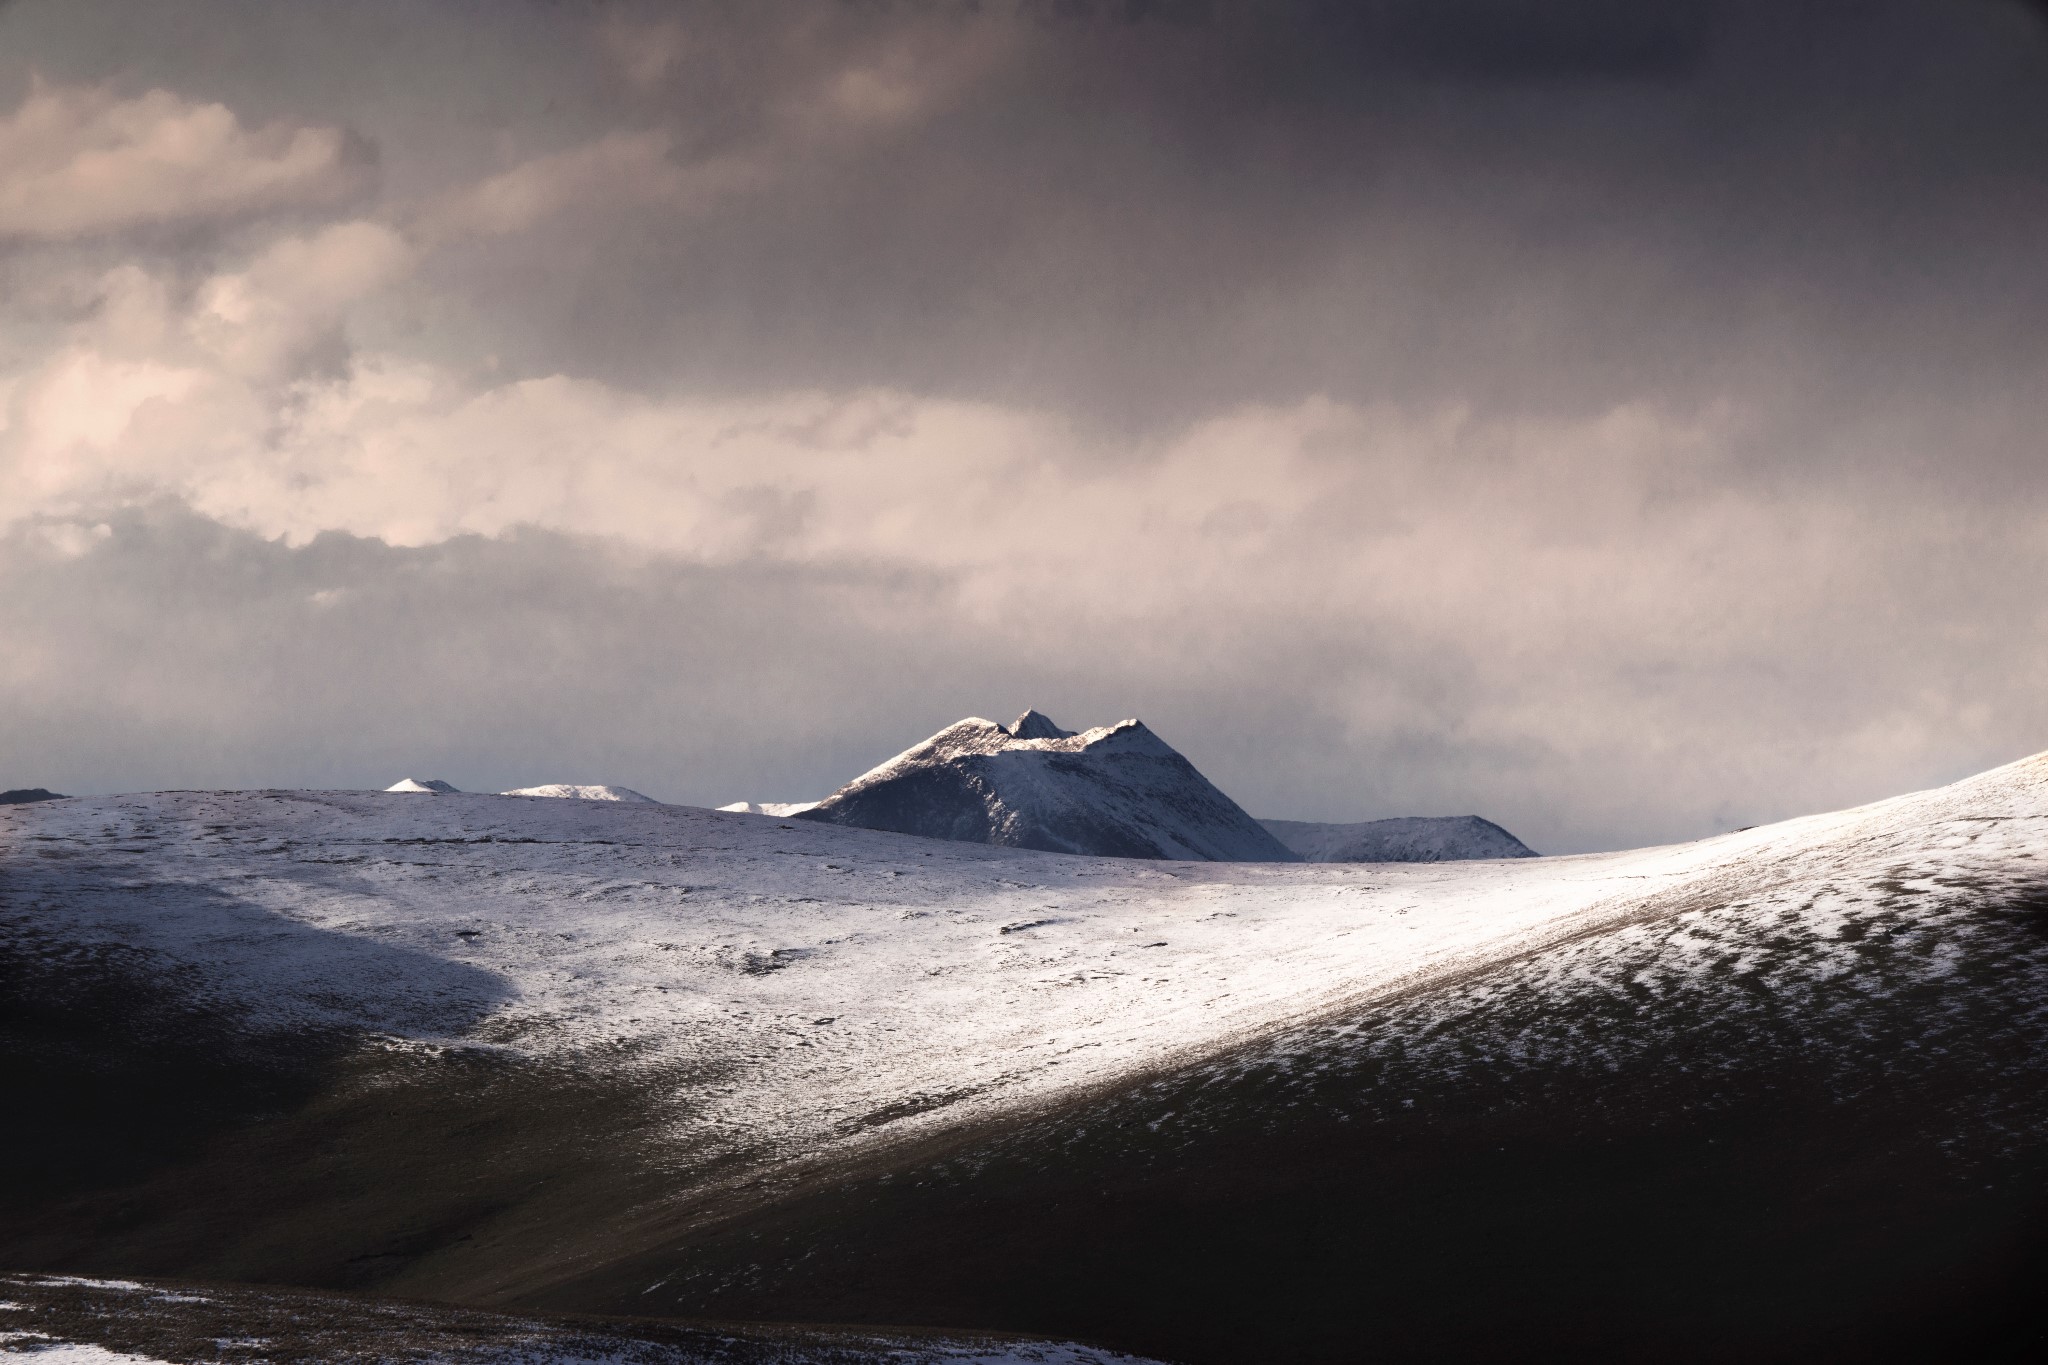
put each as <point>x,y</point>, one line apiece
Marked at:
<point>1114,791</point>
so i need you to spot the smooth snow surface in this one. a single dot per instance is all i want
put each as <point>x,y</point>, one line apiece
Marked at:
<point>846,986</point>
<point>422,784</point>
<point>573,792</point>
<point>1117,790</point>
<point>1417,839</point>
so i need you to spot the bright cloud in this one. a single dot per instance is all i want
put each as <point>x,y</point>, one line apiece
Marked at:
<point>82,160</point>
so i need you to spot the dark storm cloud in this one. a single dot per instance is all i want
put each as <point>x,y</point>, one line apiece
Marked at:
<point>1147,217</point>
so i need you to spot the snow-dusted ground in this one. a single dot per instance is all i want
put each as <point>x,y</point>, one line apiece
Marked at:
<point>846,985</point>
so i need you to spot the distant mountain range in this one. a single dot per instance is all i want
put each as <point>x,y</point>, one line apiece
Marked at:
<point>565,790</point>
<point>21,796</point>
<point>1416,839</point>
<point>1115,791</point>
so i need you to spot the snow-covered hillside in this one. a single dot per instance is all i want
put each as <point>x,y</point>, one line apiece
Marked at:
<point>851,985</point>
<point>1117,791</point>
<point>637,1058</point>
<point>1415,839</point>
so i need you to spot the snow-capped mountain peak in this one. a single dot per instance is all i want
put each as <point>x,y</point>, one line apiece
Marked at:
<point>1116,790</point>
<point>422,784</point>
<point>1038,725</point>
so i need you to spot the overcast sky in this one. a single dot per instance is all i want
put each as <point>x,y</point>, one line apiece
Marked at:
<point>1624,420</point>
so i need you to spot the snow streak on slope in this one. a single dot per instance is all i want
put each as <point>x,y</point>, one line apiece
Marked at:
<point>1117,790</point>
<point>572,792</point>
<point>847,986</point>
<point>1415,839</point>
<point>66,1318</point>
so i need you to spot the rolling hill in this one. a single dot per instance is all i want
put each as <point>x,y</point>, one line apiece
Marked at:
<point>1778,1094</point>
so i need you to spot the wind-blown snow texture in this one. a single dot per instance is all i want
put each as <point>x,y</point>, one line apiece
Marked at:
<point>847,987</point>
<point>1115,791</point>
<point>1416,839</point>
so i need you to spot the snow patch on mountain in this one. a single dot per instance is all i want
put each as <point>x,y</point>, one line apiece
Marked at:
<point>423,784</point>
<point>1415,839</point>
<point>782,810</point>
<point>1113,791</point>
<point>573,792</point>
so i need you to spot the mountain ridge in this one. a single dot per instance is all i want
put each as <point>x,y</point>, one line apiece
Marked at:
<point>1113,791</point>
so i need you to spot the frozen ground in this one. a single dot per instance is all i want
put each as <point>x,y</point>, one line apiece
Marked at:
<point>844,987</point>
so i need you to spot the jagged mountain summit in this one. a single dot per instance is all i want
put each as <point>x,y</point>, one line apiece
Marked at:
<point>1415,839</point>
<point>1115,791</point>
<point>424,784</point>
<point>574,792</point>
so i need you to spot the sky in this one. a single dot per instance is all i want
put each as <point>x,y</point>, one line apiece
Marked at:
<point>1622,419</point>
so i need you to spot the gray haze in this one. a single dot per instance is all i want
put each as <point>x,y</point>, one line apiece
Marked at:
<point>1619,420</point>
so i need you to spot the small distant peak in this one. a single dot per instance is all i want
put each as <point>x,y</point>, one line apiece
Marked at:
<point>584,792</point>
<point>1038,725</point>
<point>781,810</point>
<point>21,796</point>
<point>418,784</point>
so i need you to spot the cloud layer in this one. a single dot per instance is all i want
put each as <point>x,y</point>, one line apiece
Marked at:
<point>1618,421</point>
<point>82,160</point>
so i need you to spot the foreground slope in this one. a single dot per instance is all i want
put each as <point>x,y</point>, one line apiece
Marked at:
<point>83,1321</point>
<point>1411,839</point>
<point>1730,1100</point>
<point>1116,791</point>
